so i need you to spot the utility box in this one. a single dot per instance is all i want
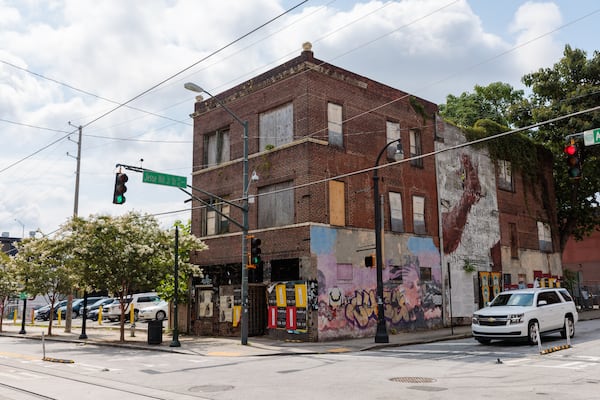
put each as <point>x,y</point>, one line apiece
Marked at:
<point>155,329</point>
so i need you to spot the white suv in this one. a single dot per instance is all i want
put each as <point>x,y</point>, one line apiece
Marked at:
<point>512,315</point>
<point>112,311</point>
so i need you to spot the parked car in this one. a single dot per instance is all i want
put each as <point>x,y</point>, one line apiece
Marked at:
<point>43,313</point>
<point>94,313</point>
<point>92,310</point>
<point>77,306</point>
<point>158,311</point>
<point>513,314</point>
<point>138,301</point>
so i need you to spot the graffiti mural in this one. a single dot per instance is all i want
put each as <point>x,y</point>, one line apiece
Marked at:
<point>347,299</point>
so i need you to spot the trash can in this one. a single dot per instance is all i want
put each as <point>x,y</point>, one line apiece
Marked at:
<point>155,332</point>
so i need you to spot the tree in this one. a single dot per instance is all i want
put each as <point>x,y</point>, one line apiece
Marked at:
<point>9,286</point>
<point>123,255</point>
<point>187,243</point>
<point>45,267</point>
<point>492,102</point>
<point>572,84</point>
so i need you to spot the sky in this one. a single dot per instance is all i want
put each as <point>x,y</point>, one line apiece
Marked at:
<point>117,68</point>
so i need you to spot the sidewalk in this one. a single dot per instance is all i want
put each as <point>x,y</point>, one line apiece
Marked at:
<point>220,346</point>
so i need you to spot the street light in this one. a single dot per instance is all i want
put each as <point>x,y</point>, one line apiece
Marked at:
<point>381,335</point>
<point>244,323</point>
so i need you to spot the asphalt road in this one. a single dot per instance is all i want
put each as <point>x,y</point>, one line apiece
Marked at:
<point>455,369</point>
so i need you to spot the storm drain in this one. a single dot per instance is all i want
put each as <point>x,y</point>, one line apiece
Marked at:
<point>412,379</point>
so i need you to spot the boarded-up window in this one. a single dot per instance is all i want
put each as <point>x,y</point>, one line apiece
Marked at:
<point>514,240</point>
<point>392,133</point>
<point>397,221</point>
<point>334,124</point>
<point>276,127</point>
<point>415,147</point>
<point>419,215</point>
<point>545,236</point>
<point>337,204</point>
<point>216,147</point>
<point>505,175</point>
<point>276,205</point>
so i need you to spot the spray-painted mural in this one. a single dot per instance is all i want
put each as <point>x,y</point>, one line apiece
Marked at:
<point>469,211</point>
<point>347,289</point>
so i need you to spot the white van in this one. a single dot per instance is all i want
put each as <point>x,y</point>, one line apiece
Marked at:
<point>112,311</point>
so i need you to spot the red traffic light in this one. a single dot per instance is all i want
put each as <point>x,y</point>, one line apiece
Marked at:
<point>570,149</point>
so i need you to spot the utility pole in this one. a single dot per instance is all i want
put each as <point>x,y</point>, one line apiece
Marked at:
<point>69,318</point>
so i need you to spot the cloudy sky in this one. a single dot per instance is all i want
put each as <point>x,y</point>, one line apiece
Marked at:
<point>71,63</point>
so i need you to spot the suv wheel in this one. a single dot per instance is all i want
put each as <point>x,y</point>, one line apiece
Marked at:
<point>569,327</point>
<point>532,333</point>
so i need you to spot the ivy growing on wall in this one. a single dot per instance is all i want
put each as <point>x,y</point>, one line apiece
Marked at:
<point>517,148</point>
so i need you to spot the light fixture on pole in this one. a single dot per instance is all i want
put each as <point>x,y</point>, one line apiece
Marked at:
<point>244,320</point>
<point>381,335</point>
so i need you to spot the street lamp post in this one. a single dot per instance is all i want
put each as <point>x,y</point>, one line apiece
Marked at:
<point>244,294</point>
<point>381,335</point>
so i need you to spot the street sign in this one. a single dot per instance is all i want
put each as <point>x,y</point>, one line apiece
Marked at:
<point>591,137</point>
<point>159,178</point>
<point>23,295</point>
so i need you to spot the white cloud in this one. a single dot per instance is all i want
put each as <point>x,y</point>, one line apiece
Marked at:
<point>118,49</point>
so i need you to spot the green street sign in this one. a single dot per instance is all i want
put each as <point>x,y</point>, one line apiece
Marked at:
<point>23,295</point>
<point>159,178</point>
<point>591,137</point>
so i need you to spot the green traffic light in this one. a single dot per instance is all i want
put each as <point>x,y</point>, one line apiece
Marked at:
<point>120,199</point>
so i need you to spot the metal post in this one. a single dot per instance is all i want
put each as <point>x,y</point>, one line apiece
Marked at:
<point>83,335</point>
<point>175,341</point>
<point>22,331</point>
<point>244,294</point>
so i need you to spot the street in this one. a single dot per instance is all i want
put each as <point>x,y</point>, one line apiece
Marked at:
<point>455,369</point>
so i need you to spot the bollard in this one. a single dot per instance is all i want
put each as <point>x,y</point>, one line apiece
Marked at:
<point>539,339</point>
<point>132,320</point>
<point>59,319</point>
<point>15,317</point>
<point>99,315</point>
<point>32,316</point>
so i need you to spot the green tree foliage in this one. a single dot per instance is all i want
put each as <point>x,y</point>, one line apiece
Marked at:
<point>187,243</point>
<point>45,267</point>
<point>9,284</point>
<point>492,102</point>
<point>571,85</point>
<point>123,255</point>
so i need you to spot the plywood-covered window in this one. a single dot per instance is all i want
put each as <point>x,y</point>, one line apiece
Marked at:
<point>216,147</point>
<point>505,175</point>
<point>276,127</point>
<point>396,218</point>
<point>514,240</point>
<point>337,203</point>
<point>276,205</point>
<point>334,124</point>
<point>544,236</point>
<point>419,215</point>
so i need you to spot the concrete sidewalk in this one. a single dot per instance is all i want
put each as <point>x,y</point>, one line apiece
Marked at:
<point>107,335</point>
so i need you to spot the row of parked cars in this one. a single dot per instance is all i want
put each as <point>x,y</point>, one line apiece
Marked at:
<point>146,306</point>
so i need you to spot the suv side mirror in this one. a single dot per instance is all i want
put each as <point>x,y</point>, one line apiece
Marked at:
<point>542,303</point>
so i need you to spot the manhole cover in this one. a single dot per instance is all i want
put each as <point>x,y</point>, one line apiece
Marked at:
<point>210,388</point>
<point>412,379</point>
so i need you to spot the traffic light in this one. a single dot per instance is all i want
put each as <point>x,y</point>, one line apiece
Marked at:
<point>370,261</point>
<point>573,153</point>
<point>120,188</point>
<point>255,251</point>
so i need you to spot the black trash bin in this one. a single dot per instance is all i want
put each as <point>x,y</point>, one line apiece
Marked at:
<point>155,329</point>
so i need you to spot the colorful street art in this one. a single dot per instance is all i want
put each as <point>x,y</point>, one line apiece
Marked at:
<point>347,298</point>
